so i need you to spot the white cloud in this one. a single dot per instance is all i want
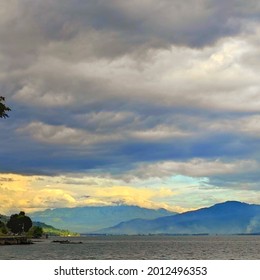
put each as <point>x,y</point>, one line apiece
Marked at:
<point>64,135</point>
<point>193,168</point>
<point>160,132</point>
<point>107,120</point>
<point>59,134</point>
<point>243,125</point>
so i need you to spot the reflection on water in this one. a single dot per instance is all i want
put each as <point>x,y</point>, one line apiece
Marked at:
<point>139,248</point>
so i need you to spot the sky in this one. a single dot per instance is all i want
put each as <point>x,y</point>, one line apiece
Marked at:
<point>149,103</point>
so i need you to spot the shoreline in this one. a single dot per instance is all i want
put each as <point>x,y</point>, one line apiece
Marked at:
<point>14,240</point>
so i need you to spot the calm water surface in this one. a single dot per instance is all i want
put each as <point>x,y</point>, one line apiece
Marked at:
<point>139,248</point>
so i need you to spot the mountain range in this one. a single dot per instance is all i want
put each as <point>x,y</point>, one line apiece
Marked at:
<point>231,217</point>
<point>93,219</point>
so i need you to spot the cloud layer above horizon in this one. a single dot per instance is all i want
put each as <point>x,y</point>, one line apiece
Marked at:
<point>153,103</point>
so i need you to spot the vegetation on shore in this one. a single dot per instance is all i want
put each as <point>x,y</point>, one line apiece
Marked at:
<point>52,231</point>
<point>20,224</point>
<point>3,108</point>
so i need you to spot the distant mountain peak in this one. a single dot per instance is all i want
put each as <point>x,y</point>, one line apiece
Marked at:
<point>233,202</point>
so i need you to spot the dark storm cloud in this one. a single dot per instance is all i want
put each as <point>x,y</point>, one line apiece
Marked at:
<point>109,84</point>
<point>112,28</point>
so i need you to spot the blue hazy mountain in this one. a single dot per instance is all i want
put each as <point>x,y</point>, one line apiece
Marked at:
<point>90,219</point>
<point>230,217</point>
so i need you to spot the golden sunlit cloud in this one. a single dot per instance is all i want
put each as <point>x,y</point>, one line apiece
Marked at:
<point>36,193</point>
<point>143,197</point>
<point>32,193</point>
<point>17,193</point>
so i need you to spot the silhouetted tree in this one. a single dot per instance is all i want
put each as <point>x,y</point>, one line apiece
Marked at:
<point>19,223</point>
<point>3,108</point>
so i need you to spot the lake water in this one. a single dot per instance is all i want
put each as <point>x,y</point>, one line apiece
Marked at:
<point>139,248</point>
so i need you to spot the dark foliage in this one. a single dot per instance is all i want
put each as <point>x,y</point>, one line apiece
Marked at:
<point>36,232</point>
<point>3,108</point>
<point>19,223</point>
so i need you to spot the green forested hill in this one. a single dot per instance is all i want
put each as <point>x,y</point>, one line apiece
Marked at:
<point>50,230</point>
<point>47,229</point>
